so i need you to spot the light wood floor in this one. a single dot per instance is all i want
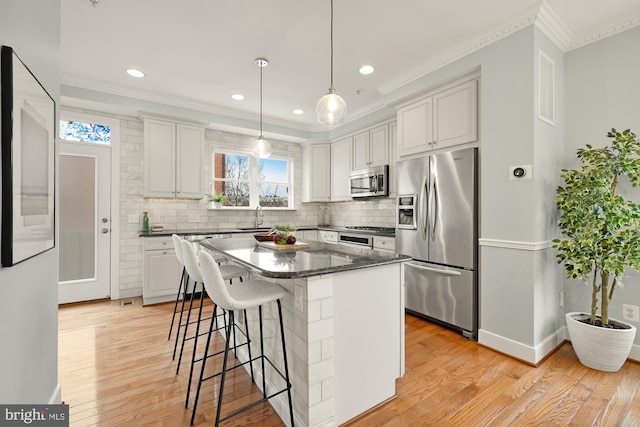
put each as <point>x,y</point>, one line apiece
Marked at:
<point>115,368</point>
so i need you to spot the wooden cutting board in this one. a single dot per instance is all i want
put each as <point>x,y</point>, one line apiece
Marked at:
<point>274,246</point>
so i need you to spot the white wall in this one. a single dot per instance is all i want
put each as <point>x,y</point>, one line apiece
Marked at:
<point>603,91</point>
<point>29,290</point>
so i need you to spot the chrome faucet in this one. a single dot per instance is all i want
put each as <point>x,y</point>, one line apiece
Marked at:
<point>259,216</point>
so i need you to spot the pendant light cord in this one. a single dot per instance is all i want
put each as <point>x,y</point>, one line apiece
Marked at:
<point>332,43</point>
<point>261,67</point>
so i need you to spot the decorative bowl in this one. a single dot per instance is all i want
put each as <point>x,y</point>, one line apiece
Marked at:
<point>263,237</point>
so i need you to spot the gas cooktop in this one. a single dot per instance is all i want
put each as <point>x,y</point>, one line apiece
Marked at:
<point>368,228</point>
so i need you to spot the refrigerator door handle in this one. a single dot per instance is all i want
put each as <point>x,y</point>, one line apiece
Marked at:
<point>424,208</point>
<point>433,207</point>
<point>435,270</point>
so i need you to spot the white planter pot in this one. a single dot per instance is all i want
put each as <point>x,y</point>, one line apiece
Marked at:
<point>604,349</point>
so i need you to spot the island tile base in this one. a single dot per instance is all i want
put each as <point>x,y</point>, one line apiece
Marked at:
<point>345,343</point>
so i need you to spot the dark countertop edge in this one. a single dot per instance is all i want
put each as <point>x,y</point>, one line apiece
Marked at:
<point>321,272</point>
<point>169,232</point>
<point>396,259</point>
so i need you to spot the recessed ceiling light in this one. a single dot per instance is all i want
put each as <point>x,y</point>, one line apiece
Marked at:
<point>237,97</point>
<point>135,73</point>
<point>366,69</point>
<point>298,111</point>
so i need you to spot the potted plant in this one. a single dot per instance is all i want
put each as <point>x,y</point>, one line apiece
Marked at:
<point>601,238</point>
<point>216,200</point>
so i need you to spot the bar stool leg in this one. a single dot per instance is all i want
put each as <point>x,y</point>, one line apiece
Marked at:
<point>184,297</point>
<point>195,347</point>
<point>204,361</point>
<point>175,306</point>
<point>246,331</point>
<point>286,364</point>
<point>224,368</point>
<point>186,326</point>
<point>264,374</point>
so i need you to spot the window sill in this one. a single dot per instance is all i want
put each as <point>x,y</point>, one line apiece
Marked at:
<point>240,208</point>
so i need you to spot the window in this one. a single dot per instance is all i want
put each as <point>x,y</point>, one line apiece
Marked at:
<point>85,132</point>
<point>248,182</point>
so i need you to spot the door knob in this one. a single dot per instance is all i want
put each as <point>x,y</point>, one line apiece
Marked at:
<point>105,230</point>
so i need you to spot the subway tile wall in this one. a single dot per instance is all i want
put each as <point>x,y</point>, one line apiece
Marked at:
<point>175,214</point>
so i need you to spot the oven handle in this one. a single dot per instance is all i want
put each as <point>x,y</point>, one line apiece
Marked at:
<point>355,245</point>
<point>435,270</point>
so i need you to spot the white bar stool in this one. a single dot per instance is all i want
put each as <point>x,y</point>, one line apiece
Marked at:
<point>251,294</point>
<point>230,272</point>
<point>193,269</point>
<point>184,278</point>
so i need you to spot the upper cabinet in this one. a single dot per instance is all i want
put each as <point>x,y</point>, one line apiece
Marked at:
<point>340,169</point>
<point>441,120</point>
<point>172,159</point>
<point>371,148</point>
<point>316,162</point>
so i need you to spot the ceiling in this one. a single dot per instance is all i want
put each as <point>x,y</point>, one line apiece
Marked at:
<point>197,53</point>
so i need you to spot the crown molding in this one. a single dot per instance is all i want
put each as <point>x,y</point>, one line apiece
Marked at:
<point>617,27</point>
<point>462,51</point>
<point>551,25</point>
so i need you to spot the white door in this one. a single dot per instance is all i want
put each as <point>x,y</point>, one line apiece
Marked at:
<point>85,222</point>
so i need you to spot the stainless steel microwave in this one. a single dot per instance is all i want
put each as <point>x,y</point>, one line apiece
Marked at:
<point>371,182</point>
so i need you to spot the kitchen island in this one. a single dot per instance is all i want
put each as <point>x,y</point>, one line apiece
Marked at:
<point>344,325</point>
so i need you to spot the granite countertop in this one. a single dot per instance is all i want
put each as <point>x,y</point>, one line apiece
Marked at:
<point>196,232</point>
<point>320,258</point>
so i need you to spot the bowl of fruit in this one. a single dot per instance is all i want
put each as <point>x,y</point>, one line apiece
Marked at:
<point>283,234</point>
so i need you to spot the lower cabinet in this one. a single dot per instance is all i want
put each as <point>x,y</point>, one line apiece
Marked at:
<point>383,243</point>
<point>161,270</point>
<point>328,236</point>
<point>306,235</point>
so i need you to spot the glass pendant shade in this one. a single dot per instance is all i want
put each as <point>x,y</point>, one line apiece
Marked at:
<point>261,148</point>
<point>331,109</point>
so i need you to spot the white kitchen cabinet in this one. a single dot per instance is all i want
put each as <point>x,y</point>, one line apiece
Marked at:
<point>161,270</point>
<point>307,235</point>
<point>328,236</point>
<point>443,119</point>
<point>172,159</point>
<point>415,127</point>
<point>317,176</point>
<point>393,132</point>
<point>371,148</point>
<point>456,115</point>
<point>340,169</point>
<point>384,243</point>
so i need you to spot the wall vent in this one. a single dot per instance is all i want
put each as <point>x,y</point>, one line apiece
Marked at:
<point>546,88</point>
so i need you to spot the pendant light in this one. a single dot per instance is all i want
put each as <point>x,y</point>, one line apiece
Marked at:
<point>261,148</point>
<point>331,108</point>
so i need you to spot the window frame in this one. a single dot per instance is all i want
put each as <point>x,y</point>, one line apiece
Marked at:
<point>254,179</point>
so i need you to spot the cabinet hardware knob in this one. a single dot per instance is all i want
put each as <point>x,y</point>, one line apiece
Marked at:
<point>105,230</point>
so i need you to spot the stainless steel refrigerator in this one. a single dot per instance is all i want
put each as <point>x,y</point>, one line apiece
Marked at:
<point>436,225</point>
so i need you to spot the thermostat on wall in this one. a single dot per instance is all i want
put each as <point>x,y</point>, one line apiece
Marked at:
<point>520,172</point>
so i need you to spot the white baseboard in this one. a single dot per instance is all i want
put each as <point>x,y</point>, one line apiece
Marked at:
<point>534,354</point>
<point>521,351</point>
<point>635,353</point>
<point>56,397</point>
